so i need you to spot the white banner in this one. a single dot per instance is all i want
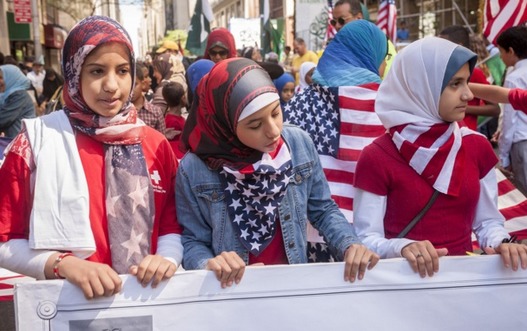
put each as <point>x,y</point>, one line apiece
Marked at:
<point>469,293</point>
<point>246,32</point>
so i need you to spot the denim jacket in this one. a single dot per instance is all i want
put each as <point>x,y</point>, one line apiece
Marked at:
<point>208,230</point>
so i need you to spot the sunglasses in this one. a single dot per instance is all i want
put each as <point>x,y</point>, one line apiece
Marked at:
<point>220,53</point>
<point>340,20</point>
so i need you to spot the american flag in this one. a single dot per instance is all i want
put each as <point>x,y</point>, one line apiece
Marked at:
<point>387,19</point>
<point>341,122</point>
<point>499,15</point>
<point>253,195</point>
<point>330,31</point>
<point>513,206</point>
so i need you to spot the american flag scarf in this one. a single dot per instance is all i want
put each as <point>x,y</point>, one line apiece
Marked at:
<point>434,153</point>
<point>253,195</point>
<point>129,193</point>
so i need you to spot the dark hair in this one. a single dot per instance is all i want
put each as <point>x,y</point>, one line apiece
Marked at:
<point>1,58</point>
<point>172,93</point>
<point>50,72</point>
<point>355,7</point>
<point>139,73</point>
<point>9,59</point>
<point>457,34</point>
<point>247,52</point>
<point>515,38</point>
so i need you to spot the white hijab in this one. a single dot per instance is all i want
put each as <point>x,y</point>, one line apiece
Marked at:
<point>408,105</point>
<point>411,90</point>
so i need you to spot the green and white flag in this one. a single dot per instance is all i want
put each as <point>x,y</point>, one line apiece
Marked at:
<point>270,37</point>
<point>267,28</point>
<point>199,28</point>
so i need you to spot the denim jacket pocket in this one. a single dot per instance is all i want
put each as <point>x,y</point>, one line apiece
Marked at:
<point>302,172</point>
<point>210,192</point>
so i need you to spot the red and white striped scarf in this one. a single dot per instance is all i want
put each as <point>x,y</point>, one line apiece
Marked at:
<point>434,152</point>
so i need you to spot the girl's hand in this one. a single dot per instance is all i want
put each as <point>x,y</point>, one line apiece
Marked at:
<point>511,253</point>
<point>153,268</point>
<point>228,267</point>
<point>358,258</point>
<point>94,279</point>
<point>423,257</point>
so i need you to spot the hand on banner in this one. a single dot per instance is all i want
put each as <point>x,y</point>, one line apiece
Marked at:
<point>94,279</point>
<point>423,257</point>
<point>228,267</point>
<point>153,268</point>
<point>358,258</point>
<point>510,253</point>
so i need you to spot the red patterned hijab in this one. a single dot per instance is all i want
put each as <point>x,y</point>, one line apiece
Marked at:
<point>82,40</point>
<point>210,130</point>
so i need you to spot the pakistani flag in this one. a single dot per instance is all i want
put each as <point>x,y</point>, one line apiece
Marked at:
<point>267,27</point>
<point>271,38</point>
<point>199,28</point>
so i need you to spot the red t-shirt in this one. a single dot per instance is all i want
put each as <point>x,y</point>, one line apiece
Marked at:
<point>274,253</point>
<point>448,223</point>
<point>471,121</point>
<point>16,196</point>
<point>177,123</point>
<point>518,99</point>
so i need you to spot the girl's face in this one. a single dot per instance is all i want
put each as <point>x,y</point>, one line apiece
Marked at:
<point>257,56</point>
<point>138,89</point>
<point>309,76</point>
<point>2,82</point>
<point>106,79</point>
<point>147,82</point>
<point>508,56</point>
<point>288,91</point>
<point>157,76</point>
<point>455,97</point>
<point>262,130</point>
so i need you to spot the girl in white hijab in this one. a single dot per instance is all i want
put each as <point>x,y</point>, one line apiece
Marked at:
<point>420,102</point>
<point>305,72</point>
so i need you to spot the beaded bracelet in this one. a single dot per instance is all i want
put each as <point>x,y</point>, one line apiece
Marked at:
<point>56,264</point>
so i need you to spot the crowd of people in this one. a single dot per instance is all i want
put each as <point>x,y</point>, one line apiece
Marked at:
<point>239,159</point>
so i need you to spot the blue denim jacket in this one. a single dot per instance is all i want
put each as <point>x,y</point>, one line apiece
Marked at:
<point>208,230</point>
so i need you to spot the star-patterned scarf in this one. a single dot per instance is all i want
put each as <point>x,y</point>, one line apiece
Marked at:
<point>129,192</point>
<point>253,195</point>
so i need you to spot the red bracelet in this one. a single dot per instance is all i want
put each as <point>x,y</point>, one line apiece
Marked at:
<point>56,264</point>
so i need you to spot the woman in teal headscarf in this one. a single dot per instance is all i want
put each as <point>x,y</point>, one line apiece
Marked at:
<point>353,57</point>
<point>15,102</point>
<point>337,111</point>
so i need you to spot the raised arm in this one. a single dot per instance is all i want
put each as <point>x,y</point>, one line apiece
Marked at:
<point>492,93</point>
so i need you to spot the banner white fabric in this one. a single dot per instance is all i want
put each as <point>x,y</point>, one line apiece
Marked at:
<point>469,293</point>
